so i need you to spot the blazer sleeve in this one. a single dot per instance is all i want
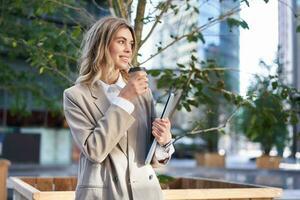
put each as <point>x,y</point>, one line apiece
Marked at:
<point>95,141</point>
<point>154,162</point>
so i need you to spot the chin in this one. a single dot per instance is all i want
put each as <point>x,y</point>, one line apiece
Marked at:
<point>123,67</point>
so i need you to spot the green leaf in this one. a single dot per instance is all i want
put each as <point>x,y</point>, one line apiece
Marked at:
<point>232,22</point>
<point>196,9</point>
<point>188,6</point>
<point>41,70</point>
<point>187,107</point>
<point>244,24</point>
<point>246,1</point>
<point>154,72</point>
<point>192,38</point>
<point>180,65</point>
<point>193,58</point>
<point>227,97</point>
<point>274,85</point>
<point>284,93</point>
<point>14,44</point>
<point>192,102</point>
<point>294,119</point>
<point>165,179</point>
<point>222,131</point>
<point>76,32</point>
<point>201,37</point>
<point>221,84</point>
<point>50,56</point>
<point>298,29</point>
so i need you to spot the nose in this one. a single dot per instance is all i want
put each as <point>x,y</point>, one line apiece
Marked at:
<point>128,48</point>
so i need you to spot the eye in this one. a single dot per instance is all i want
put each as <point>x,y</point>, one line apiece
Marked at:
<point>121,42</point>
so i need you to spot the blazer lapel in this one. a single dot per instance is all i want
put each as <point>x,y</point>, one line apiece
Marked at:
<point>100,99</point>
<point>102,103</point>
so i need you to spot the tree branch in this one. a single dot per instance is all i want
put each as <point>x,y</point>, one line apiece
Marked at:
<point>156,22</point>
<point>199,29</point>
<point>111,8</point>
<point>122,9</point>
<point>60,73</point>
<point>98,6</point>
<point>195,131</point>
<point>138,24</point>
<point>128,3</point>
<point>83,10</point>
<point>179,93</point>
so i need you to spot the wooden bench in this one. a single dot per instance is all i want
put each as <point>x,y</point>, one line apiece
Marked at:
<point>27,188</point>
<point>4,164</point>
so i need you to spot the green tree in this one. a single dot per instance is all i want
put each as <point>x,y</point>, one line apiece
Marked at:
<point>39,43</point>
<point>266,120</point>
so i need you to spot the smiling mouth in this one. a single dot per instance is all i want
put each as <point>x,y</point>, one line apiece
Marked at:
<point>125,59</point>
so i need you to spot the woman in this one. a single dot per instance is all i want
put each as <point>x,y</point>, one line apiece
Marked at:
<point>111,117</point>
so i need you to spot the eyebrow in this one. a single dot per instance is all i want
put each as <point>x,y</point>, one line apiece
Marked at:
<point>121,37</point>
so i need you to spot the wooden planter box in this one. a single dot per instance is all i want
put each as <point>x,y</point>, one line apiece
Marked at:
<point>268,162</point>
<point>181,188</point>
<point>4,165</point>
<point>210,160</point>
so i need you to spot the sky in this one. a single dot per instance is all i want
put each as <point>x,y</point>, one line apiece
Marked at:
<point>260,41</point>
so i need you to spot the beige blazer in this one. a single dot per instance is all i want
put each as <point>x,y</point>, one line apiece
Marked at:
<point>113,145</point>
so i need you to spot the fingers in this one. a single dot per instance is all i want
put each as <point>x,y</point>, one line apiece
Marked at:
<point>140,75</point>
<point>161,130</point>
<point>139,81</point>
<point>137,85</point>
<point>160,138</point>
<point>162,122</point>
<point>158,129</point>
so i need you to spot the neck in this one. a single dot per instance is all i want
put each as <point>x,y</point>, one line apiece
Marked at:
<point>113,78</point>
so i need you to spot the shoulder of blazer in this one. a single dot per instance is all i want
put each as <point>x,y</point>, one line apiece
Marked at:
<point>77,92</point>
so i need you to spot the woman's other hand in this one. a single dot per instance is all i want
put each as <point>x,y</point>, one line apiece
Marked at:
<point>161,129</point>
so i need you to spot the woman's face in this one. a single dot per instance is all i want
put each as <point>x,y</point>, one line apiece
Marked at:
<point>120,48</point>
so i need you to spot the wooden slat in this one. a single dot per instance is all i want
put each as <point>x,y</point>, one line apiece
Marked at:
<point>261,199</point>
<point>62,184</point>
<point>44,184</point>
<point>243,199</point>
<point>222,193</point>
<point>23,188</point>
<point>69,183</point>
<point>68,195</point>
<point>74,183</point>
<point>30,180</point>
<point>189,183</point>
<point>4,165</point>
<point>210,159</point>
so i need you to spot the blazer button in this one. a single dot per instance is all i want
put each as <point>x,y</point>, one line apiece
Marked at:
<point>150,177</point>
<point>116,179</point>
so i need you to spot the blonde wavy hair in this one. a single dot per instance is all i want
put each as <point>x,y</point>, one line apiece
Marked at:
<point>95,61</point>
